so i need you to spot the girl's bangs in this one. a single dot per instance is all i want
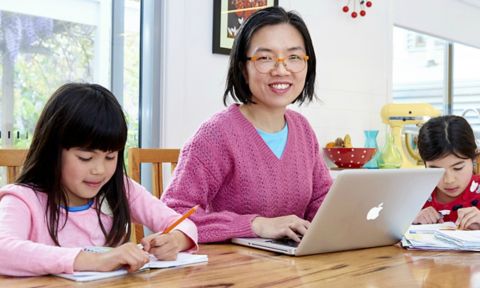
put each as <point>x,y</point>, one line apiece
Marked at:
<point>98,127</point>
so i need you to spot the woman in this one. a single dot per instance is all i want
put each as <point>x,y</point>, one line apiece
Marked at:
<point>255,168</point>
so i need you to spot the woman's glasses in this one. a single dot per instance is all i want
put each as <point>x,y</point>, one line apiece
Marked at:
<point>266,63</point>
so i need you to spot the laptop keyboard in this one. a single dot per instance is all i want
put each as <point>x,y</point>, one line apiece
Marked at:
<point>286,241</point>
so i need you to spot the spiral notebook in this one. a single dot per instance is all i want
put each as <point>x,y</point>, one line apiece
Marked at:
<point>182,260</point>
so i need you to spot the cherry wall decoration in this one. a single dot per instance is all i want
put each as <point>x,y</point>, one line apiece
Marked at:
<point>357,7</point>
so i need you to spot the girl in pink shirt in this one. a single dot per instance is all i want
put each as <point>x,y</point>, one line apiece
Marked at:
<point>73,193</point>
<point>448,142</point>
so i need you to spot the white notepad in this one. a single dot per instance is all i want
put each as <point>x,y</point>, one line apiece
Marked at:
<point>182,259</point>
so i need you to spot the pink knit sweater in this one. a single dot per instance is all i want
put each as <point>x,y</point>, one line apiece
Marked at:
<point>229,170</point>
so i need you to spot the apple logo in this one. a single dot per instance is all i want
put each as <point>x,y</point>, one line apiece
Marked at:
<point>374,212</point>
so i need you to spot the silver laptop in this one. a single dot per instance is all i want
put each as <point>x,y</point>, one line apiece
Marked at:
<point>364,208</point>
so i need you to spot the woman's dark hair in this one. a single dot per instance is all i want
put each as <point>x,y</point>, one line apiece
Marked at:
<point>86,116</point>
<point>444,135</point>
<point>237,85</point>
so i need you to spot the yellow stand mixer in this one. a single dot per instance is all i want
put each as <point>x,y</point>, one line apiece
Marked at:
<point>400,115</point>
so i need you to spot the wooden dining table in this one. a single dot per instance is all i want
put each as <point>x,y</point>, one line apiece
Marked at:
<point>236,266</point>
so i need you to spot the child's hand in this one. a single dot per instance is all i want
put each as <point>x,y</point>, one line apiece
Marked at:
<point>468,218</point>
<point>428,216</point>
<point>126,255</point>
<point>166,246</point>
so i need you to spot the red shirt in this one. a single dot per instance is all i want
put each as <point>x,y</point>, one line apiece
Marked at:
<point>470,197</point>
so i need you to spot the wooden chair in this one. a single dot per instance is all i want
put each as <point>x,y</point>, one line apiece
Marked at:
<point>157,157</point>
<point>476,163</point>
<point>12,159</point>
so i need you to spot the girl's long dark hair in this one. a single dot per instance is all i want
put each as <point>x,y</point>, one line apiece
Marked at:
<point>86,116</point>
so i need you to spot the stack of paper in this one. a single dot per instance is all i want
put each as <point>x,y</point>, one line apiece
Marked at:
<point>182,259</point>
<point>465,239</point>
<point>444,236</point>
<point>423,237</point>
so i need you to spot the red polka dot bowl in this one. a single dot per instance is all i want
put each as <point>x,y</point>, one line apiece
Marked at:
<point>349,157</point>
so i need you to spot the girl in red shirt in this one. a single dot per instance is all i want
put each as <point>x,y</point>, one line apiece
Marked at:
<point>448,142</point>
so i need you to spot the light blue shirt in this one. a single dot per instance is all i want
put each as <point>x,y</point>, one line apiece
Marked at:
<point>276,141</point>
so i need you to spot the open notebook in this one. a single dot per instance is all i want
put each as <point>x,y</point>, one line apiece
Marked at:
<point>182,259</point>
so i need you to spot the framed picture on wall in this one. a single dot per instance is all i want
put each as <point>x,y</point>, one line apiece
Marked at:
<point>228,15</point>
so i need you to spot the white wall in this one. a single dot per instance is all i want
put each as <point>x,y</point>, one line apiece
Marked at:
<point>195,77</point>
<point>354,67</point>
<point>353,74</point>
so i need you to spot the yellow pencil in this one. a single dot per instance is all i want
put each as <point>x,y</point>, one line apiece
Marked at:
<point>184,216</point>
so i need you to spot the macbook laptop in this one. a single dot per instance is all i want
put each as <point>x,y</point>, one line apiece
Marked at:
<point>364,208</point>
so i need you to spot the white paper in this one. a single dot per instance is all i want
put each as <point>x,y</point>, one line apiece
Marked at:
<point>182,259</point>
<point>84,276</point>
<point>431,228</point>
<point>443,236</point>
<point>462,238</point>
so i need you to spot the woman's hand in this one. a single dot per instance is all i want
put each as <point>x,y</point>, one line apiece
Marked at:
<point>166,246</point>
<point>289,226</point>
<point>468,218</point>
<point>428,216</point>
<point>128,255</point>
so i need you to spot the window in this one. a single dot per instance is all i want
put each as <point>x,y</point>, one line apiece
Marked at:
<point>34,49</point>
<point>130,70</point>
<point>418,68</point>
<point>44,44</point>
<point>466,84</point>
<point>442,73</point>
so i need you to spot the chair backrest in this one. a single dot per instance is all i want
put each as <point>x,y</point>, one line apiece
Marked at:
<point>12,159</point>
<point>476,161</point>
<point>156,157</point>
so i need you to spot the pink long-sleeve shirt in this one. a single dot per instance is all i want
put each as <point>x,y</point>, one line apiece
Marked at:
<point>26,248</point>
<point>229,170</point>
